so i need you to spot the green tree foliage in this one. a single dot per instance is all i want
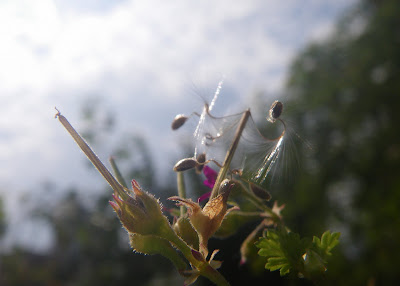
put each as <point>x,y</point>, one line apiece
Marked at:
<point>346,93</point>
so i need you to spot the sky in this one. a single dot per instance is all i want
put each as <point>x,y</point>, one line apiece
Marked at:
<point>144,61</point>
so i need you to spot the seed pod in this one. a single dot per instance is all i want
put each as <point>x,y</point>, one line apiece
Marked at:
<point>260,192</point>
<point>185,164</point>
<point>179,120</point>
<point>275,111</point>
<point>201,159</point>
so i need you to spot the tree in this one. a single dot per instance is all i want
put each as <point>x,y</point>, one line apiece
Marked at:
<point>348,87</point>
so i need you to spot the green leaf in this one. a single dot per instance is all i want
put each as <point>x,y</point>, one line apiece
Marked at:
<point>315,260</point>
<point>313,264</point>
<point>327,242</point>
<point>283,250</point>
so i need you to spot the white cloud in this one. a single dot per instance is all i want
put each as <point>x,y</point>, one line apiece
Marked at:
<point>138,55</point>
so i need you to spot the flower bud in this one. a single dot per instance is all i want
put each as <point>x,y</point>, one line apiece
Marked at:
<point>139,212</point>
<point>150,244</point>
<point>184,229</point>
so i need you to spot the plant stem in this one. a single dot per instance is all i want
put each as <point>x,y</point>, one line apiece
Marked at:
<point>115,185</point>
<point>214,276</point>
<point>229,154</point>
<point>117,173</point>
<point>181,190</point>
<point>203,266</point>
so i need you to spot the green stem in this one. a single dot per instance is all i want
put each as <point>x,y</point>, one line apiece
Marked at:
<point>229,154</point>
<point>203,266</point>
<point>214,276</point>
<point>181,190</point>
<point>115,185</point>
<point>256,201</point>
<point>117,172</point>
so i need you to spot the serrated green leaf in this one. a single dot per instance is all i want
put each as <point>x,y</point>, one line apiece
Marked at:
<point>294,246</point>
<point>287,252</point>
<point>270,247</point>
<point>274,263</point>
<point>284,270</point>
<point>327,242</point>
<point>281,264</point>
<point>313,263</point>
<point>283,250</point>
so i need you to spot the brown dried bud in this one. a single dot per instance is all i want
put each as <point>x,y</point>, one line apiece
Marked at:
<point>185,164</point>
<point>179,120</point>
<point>206,221</point>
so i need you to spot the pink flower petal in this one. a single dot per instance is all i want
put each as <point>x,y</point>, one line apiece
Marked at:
<point>204,197</point>
<point>211,176</point>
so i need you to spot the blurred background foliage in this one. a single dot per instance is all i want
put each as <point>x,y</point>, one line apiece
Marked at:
<point>345,97</point>
<point>349,86</point>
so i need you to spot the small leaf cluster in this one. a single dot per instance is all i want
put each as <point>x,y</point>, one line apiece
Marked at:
<point>287,252</point>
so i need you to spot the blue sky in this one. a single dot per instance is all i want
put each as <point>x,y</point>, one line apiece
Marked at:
<point>144,59</point>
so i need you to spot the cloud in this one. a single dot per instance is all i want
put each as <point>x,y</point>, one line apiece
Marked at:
<point>138,56</point>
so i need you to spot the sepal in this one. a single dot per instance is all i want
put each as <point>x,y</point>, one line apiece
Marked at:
<point>150,244</point>
<point>206,221</point>
<point>184,229</point>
